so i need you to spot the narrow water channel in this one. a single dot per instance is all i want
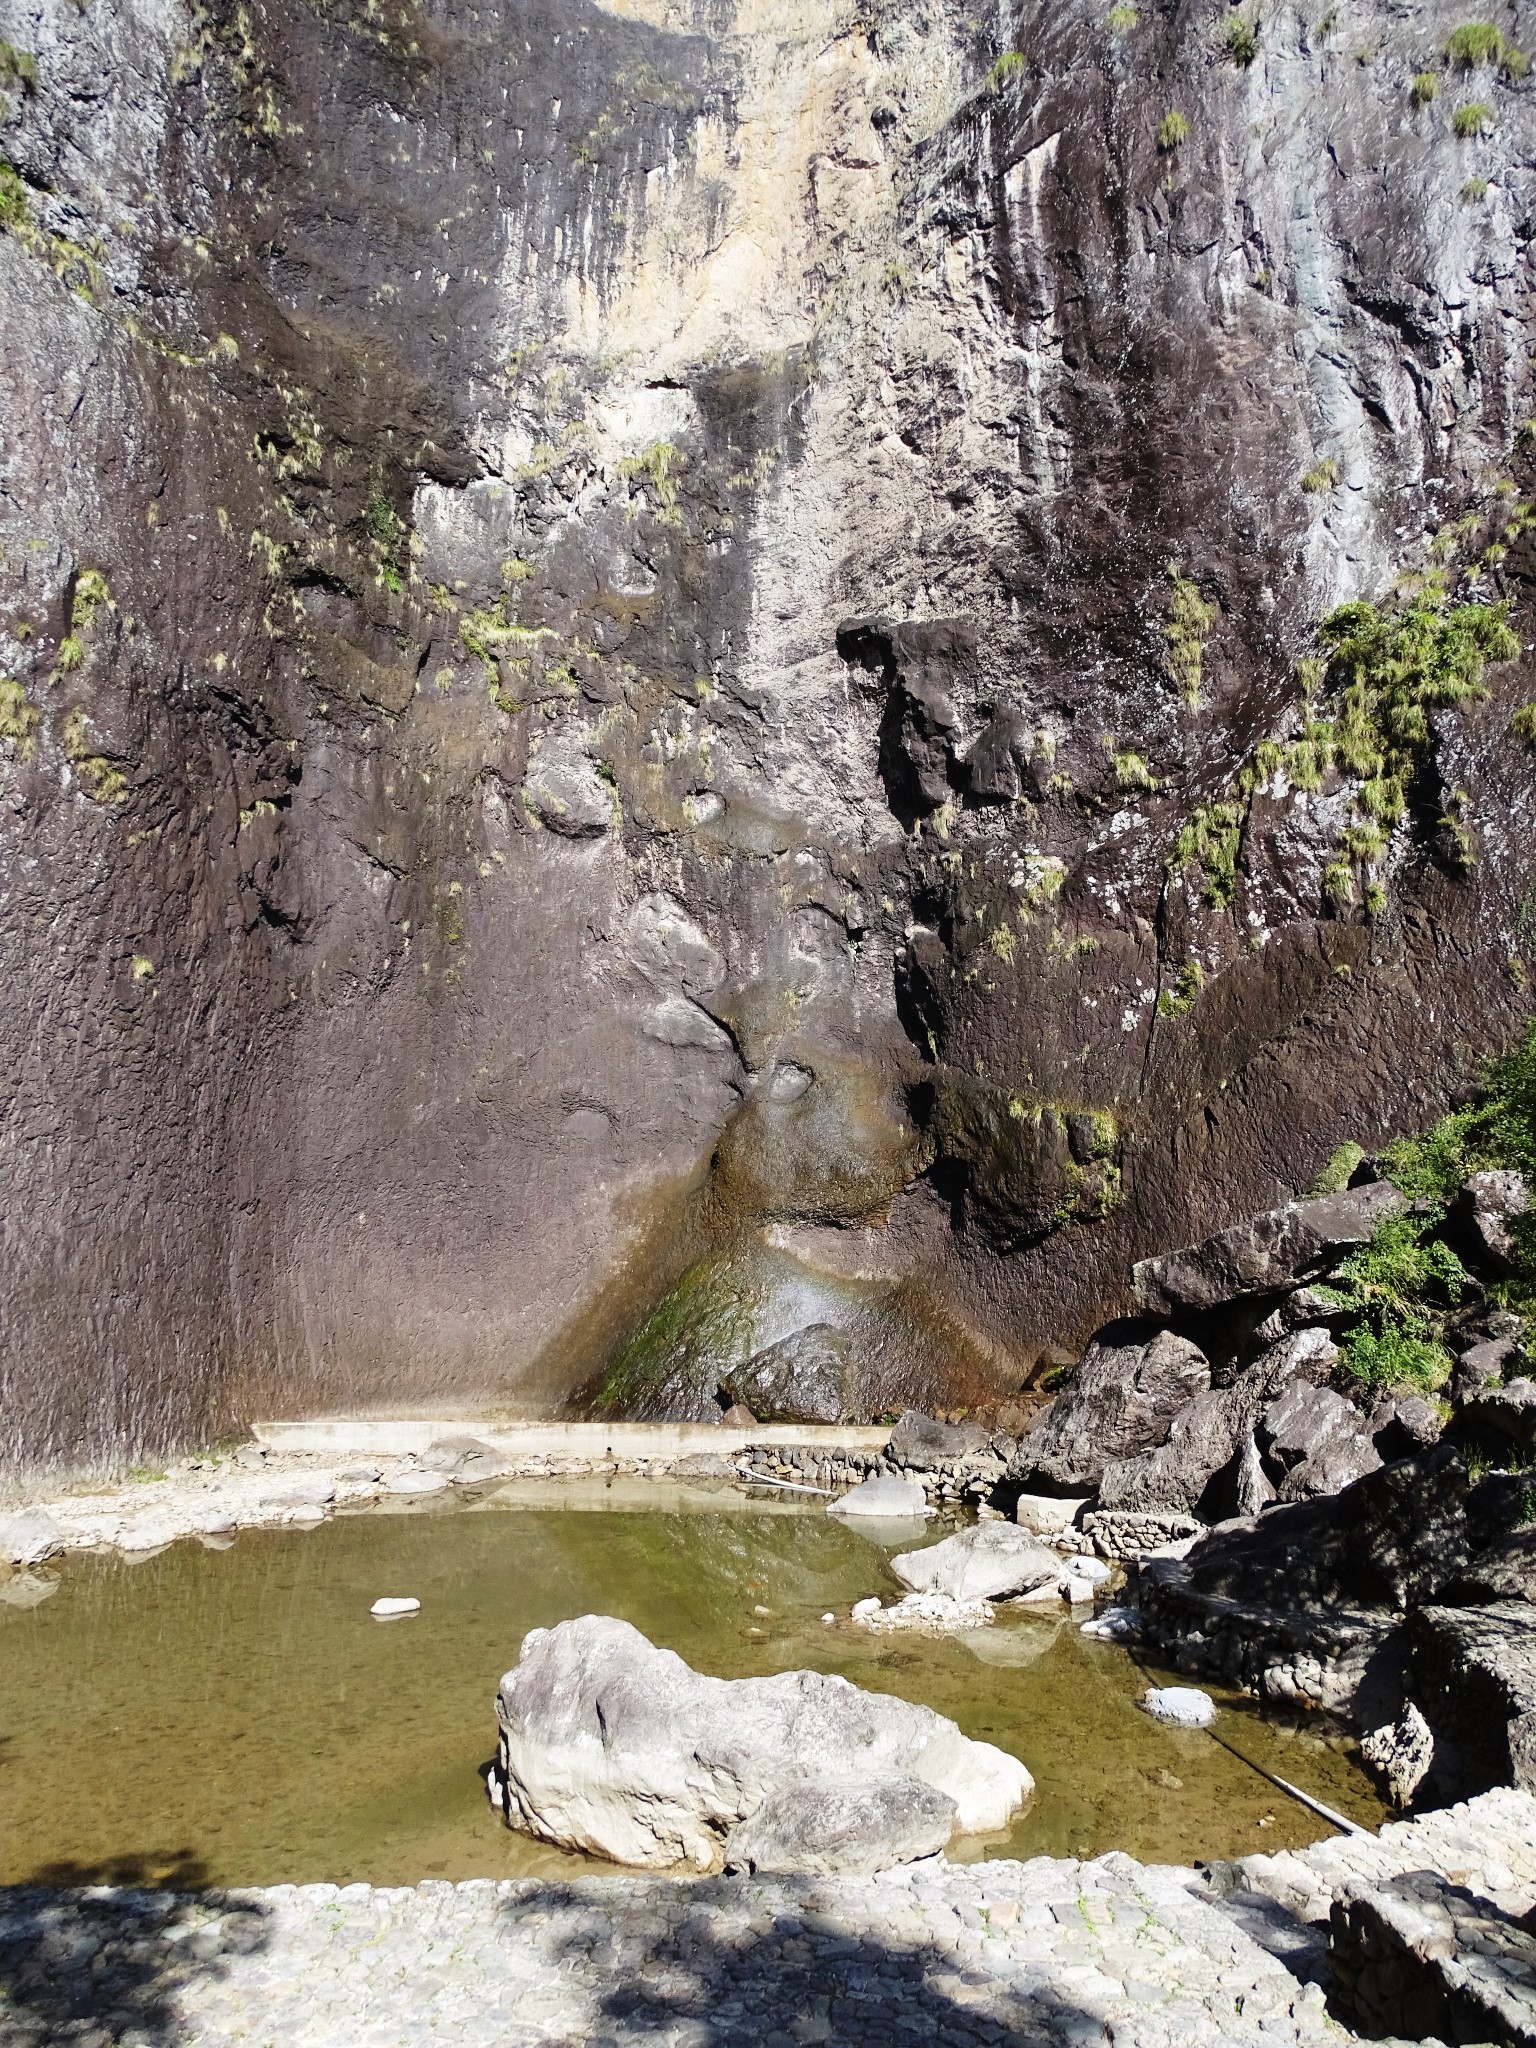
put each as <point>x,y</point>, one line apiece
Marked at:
<point>236,1716</point>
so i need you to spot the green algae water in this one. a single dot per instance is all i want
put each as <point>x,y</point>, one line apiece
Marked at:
<point>237,1717</point>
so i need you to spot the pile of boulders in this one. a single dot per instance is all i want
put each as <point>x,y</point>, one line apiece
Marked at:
<point>1290,1531</point>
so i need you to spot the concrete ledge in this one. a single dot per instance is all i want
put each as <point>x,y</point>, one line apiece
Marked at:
<point>405,1436</point>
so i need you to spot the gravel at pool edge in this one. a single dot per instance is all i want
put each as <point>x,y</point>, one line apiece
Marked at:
<point>1046,1950</point>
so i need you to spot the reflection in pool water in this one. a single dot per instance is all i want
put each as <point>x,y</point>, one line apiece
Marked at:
<point>237,1717</point>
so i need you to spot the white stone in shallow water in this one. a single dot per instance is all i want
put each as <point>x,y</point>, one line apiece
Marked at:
<point>1184,1706</point>
<point>1045,1515</point>
<point>391,1605</point>
<point>416,1482</point>
<point>1114,1625</point>
<point>29,1537</point>
<point>932,1613</point>
<point>882,1495</point>
<point>1093,1569</point>
<point>990,1561</point>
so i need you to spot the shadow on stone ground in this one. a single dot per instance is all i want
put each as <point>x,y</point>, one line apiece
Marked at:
<point>800,1981</point>
<point>716,1963</point>
<point>90,1955</point>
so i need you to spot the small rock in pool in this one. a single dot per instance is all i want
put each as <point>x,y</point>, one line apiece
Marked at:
<point>1093,1569</point>
<point>1115,1625</point>
<point>829,1617</point>
<point>895,1499</point>
<point>863,1607</point>
<point>1184,1706</point>
<point>387,1608</point>
<point>416,1482</point>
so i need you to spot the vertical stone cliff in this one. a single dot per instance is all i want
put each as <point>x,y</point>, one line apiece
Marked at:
<point>662,683</point>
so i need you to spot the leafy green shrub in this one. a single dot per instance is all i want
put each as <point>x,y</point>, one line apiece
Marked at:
<point>1399,1286</point>
<point>1470,120</point>
<point>1172,130</point>
<point>1425,87</point>
<point>1395,1359</point>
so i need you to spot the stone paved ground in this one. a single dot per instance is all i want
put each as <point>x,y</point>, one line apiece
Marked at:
<point>1039,1952</point>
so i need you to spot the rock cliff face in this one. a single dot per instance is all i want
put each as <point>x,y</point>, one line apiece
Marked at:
<point>652,647</point>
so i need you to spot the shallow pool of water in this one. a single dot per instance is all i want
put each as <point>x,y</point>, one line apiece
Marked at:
<point>237,1717</point>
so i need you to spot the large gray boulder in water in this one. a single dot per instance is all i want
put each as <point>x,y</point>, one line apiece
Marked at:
<point>1265,1254</point>
<point>988,1561</point>
<point>1122,1401</point>
<point>611,1745</point>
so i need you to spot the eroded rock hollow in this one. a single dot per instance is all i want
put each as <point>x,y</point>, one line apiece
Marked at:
<point>662,683</point>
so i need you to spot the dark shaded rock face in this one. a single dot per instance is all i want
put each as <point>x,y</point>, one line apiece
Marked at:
<point>1122,1402</point>
<point>591,678</point>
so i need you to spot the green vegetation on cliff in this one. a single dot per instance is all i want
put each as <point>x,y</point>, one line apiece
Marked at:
<point>1400,1287</point>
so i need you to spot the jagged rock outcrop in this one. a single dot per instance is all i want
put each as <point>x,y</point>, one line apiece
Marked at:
<point>633,650</point>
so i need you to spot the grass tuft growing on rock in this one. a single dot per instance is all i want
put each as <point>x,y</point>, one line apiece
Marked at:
<point>1241,37</point>
<point>1123,19</point>
<point>1172,131</point>
<point>1324,476</point>
<point>1425,87</point>
<point>1209,840</point>
<point>1474,43</point>
<point>1189,620</point>
<point>1178,999</point>
<point>19,718</point>
<point>1009,65</point>
<point>1471,119</point>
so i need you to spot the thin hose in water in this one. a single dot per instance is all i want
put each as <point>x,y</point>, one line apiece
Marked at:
<point>1340,1820</point>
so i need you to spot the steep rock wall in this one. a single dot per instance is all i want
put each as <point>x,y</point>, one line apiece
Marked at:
<point>602,609</point>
